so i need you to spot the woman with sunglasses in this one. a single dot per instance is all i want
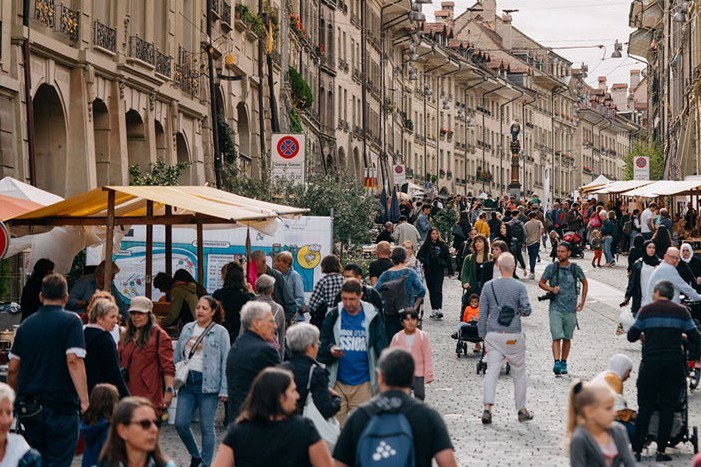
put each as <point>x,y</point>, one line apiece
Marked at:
<point>269,432</point>
<point>133,437</point>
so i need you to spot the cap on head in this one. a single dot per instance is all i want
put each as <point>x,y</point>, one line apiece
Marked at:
<point>141,304</point>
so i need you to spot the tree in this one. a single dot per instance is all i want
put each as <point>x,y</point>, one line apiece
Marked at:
<point>159,173</point>
<point>650,150</point>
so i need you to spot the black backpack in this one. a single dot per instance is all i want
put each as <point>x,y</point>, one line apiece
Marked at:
<point>394,296</point>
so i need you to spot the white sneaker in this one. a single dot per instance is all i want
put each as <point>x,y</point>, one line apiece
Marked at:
<point>531,276</point>
<point>440,314</point>
<point>434,314</point>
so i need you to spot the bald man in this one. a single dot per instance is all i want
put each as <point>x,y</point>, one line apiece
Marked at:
<point>667,271</point>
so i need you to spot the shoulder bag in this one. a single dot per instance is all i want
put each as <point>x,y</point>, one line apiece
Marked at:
<point>506,313</point>
<point>182,368</point>
<point>328,428</point>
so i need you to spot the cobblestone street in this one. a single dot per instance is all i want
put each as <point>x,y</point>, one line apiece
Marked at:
<point>457,393</point>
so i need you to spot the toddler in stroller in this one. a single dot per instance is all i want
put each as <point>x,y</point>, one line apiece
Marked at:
<point>467,328</point>
<point>574,239</point>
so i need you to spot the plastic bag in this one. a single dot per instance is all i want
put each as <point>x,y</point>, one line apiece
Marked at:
<point>626,320</point>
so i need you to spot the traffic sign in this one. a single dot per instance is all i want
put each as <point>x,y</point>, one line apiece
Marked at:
<point>641,168</point>
<point>288,156</point>
<point>399,174</point>
<point>4,239</point>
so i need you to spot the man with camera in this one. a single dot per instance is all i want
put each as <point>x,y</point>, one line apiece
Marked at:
<point>561,282</point>
<point>502,303</point>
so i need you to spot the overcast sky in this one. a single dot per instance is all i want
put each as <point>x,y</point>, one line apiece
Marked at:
<point>567,23</point>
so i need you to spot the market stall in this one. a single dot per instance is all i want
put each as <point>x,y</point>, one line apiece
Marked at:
<point>599,182</point>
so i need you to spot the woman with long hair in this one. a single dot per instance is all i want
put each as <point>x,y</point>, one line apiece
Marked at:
<point>96,421</point>
<point>639,278</point>
<point>269,432</point>
<point>233,296</point>
<point>205,345</point>
<point>434,254</point>
<point>662,240</point>
<point>29,301</point>
<point>474,267</point>
<point>133,437</point>
<point>146,355</point>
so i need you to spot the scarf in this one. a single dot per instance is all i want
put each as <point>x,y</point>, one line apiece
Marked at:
<point>620,364</point>
<point>686,246</point>
<point>653,260</point>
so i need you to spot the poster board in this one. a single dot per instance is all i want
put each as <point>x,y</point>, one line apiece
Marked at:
<point>308,238</point>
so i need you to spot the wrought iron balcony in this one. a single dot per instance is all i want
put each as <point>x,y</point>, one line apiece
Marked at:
<point>105,37</point>
<point>45,12</point>
<point>70,22</point>
<point>142,50</point>
<point>215,7</point>
<point>163,63</point>
<point>226,12</point>
<point>187,75</point>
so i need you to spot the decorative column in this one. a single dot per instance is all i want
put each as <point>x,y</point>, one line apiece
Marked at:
<point>515,184</point>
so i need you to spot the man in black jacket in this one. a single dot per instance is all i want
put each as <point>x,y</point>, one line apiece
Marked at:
<point>282,293</point>
<point>251,353</point>
<point>370,295</point>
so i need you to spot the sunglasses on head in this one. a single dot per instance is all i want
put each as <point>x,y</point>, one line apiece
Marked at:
<point>146,424</point>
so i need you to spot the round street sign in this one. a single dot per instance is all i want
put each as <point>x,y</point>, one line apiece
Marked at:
<point>641,162</point>
<point>288,147</point>
<point>4,240</point>
<point>399,169</point>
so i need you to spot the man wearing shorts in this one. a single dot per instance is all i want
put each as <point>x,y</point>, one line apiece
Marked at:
<point>561,279</point>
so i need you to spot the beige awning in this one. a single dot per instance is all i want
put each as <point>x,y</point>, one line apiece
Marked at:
<point>598,182</point>
<point>620,187</point>
<point>667,188</point>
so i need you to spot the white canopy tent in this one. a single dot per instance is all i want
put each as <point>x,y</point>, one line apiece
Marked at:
<point>596,183</point>
<point>16,189</point>
<point>621,186</point>
<point>667,188</point>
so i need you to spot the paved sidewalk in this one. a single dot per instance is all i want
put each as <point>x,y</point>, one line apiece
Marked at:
<point>457,393</point>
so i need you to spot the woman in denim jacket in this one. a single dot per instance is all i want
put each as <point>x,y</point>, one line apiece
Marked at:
<point>206,380</point>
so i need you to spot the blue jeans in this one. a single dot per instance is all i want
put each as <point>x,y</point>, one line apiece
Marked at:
<point>533,255</point>
<point>190,397</point>
<point>54,435</point>
<point>608,240</point>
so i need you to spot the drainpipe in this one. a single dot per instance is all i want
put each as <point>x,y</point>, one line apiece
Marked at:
<point>213,99</point>
<point>261,89</point>
<point>556,90</point>
<point>484,131</point>
<point>28,94</point>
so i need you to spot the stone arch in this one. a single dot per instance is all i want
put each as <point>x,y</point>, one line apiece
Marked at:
<point>244,130</point>
<point>50,136</point>
<point>160,141</point>
<point>137,145</point>
<point>101,134</point>
<point>357,165</point>
<point>182,152</point>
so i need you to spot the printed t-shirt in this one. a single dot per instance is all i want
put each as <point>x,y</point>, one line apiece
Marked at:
<point>353,367</point>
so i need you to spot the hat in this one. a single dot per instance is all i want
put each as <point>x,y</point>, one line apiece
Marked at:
<point>141,305</point>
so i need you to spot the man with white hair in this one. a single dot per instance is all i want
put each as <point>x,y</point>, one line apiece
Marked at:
<point>502,303</point>
<point>667,271</point>
<point>252,352</point>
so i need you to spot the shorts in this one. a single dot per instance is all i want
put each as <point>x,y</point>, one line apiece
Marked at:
<point>562,325</point>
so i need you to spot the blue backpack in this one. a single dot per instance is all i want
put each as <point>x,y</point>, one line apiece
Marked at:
<point>386,441</point>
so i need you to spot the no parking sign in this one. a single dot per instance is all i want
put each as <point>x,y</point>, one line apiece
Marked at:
<point>287,159</point>
<point>4,240</point>
<point>641,168</point>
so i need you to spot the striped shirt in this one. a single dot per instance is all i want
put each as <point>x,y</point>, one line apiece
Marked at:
<point>508,292</point>
<point>663,323</point>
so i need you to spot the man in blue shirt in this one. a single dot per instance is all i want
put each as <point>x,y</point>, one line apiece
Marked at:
<point>352,337</point>
<point>47,370</point>
<point>283,263</point>
<point>86,286</point>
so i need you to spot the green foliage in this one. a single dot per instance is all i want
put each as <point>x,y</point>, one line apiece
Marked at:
<point>295,122</point>
<point>226,141</point>
<point>444,221</point>
<point>323,193</point>
<point>301,92</point>
<point>160,174</point>
<point>649,149</point>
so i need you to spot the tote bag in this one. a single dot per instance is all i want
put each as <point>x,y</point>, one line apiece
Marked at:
<point>328,428</point>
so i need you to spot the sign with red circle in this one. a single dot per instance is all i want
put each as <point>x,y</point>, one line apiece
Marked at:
<point>288,147</point>
<point>641,162</point>
<point>4,239</point>
<point>399,169</point>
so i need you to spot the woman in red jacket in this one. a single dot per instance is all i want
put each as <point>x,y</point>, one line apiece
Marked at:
<point>146,354</point>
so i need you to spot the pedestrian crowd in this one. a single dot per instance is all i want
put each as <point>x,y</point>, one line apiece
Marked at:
<point>341,375</point>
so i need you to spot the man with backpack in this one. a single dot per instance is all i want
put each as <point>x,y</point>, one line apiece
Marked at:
<point>518,237</point>
<point>394,429</point>
<point>352,337</point>
<point>561,281</point>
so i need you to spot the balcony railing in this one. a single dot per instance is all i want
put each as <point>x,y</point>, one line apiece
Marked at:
<point>215,7</point>
<point>226,12</point>
<point>187,76</point>
<point>105,37</point>
<point>164,63</point>
<point>70,22</point>
<point>45,12</point>
<point>142,50</point>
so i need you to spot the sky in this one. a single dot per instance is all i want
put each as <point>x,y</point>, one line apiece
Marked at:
<point>568,23</point>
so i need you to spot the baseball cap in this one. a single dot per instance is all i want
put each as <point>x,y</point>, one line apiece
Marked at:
<point>141,305</point>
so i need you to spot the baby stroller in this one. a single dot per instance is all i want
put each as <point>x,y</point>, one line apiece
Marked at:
<point>574,239</point>
<point>468,333</point>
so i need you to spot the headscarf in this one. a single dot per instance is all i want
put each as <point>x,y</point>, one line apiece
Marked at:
<point>653,260</point>
<point>620,364</point>
<point>636,252</point>
<point>686,246</point>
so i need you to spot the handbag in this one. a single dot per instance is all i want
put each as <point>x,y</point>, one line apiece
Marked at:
<point>182,368</point>
<point>506,313</point>
<point>328,428</point>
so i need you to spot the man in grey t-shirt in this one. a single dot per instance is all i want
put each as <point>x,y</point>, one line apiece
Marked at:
<point>502,335</point>
<point>561,280</point>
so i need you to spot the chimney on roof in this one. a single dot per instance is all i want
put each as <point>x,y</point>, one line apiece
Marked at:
<point>489,13</point>
<point>505,29</point>
<point>634,78</point>
<point>602,83</point>
<point>619,94</point>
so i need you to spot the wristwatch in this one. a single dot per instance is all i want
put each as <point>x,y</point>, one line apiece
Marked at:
<point>170,390</point>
